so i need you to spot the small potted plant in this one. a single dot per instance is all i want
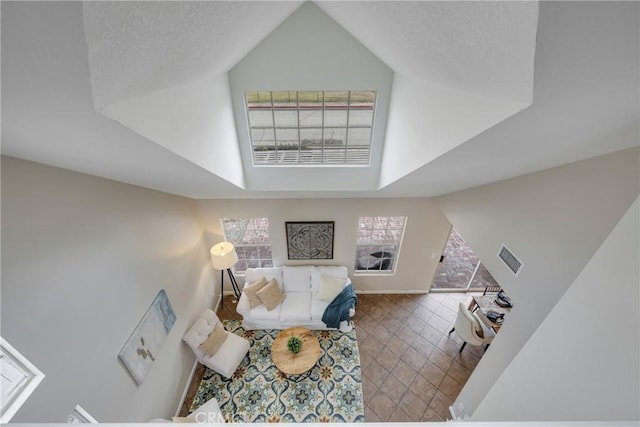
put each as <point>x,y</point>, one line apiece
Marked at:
<point>294,344</point>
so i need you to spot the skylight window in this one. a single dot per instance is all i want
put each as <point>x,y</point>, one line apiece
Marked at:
<point>291,128</point>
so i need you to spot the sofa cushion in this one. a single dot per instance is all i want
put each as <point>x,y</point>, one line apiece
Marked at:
<point>271,295</point>
<point>297,307</point>
<point>261,313</point>
<point>335,271</point>
<point>198,332</point>
<point>318,307</point>
<point>296,279</point>
<point>227,359</point>
<point>329,288</point>
<point>252,274</point>
<point>252,289</point>
<point>210,317</point>
<point>201,329</point>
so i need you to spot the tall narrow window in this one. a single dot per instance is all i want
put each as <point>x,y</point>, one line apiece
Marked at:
<point>251,238</point>
<point>378,245</point>
<point>310,127</point>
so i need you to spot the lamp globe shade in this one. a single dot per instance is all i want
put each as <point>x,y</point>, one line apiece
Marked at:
<point>223,256</point>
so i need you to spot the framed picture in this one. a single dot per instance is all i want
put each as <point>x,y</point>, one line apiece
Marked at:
<point>144,344</point>
<point>19,379</point>
<point>309,240</point>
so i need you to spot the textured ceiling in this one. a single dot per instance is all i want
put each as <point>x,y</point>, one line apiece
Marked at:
<point>138,47</point>
<point>485,47</point>
<point>585,97</point>
<point>460,70</point>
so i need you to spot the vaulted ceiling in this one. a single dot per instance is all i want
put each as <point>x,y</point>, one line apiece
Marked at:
<point>150,93</point>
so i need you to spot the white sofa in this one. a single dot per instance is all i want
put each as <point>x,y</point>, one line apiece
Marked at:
<point>300,307</point>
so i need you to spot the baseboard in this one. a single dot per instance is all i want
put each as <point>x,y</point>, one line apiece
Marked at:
<point>450,291</point>
<point>393,291</point>
<point>186,389</point>
<point>217,304</point>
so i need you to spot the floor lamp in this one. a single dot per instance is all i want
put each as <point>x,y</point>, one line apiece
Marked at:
<point>223,257</point>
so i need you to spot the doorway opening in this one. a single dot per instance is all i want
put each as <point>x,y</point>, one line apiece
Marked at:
<point>460,269</point>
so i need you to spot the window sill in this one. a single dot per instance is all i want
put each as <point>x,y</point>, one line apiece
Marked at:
<point>374,273</point>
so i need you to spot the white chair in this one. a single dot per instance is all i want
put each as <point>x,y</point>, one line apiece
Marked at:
<point>228,357</point>
<point>207,413</point>
<point>471,329</point>
<point>492,289</point>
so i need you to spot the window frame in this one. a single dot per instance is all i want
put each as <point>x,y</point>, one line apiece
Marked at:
<point>290,157</point>
<point>239,245</point>
<point>398,244</point>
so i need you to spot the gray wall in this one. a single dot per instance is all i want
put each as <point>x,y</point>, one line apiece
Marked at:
<point>82,260</point>
<point>554,221</point>
<point>594,373</point>
<point>424,239</point>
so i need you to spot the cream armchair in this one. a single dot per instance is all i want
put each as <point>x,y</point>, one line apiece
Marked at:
<point>471,329</point>
<point>207,413</point>
<point>228,357</point>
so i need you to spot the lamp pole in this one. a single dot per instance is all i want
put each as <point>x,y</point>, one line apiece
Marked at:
<point>223,257</point>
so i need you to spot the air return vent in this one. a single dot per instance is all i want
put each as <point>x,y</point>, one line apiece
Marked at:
<point>510,259</point>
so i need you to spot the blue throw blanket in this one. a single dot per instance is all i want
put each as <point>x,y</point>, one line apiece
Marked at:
<point>338,309</point>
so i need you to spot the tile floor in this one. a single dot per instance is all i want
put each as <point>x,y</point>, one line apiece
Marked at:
<point>411,368</point>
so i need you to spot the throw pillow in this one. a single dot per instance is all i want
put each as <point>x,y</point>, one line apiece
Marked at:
<point>214,341</point>
<point>252,289</point>
<point>330,287</point>
<point>271,295</point>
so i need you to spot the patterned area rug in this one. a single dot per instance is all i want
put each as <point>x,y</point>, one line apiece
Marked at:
<point>259,392</point>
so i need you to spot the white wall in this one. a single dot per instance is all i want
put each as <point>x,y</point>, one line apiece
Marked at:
<point>554,221</point>
<point>82,260</point>
<point>194,120</point>
<point>588,345</point>
<point>426,233</point>
<point>428,120</point>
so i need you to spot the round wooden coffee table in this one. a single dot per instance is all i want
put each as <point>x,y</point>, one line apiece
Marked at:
<point>295,365</point>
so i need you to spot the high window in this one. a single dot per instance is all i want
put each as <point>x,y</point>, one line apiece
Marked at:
<point>251,238</point>
<point>378,245</point>
<point>291,128</point>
